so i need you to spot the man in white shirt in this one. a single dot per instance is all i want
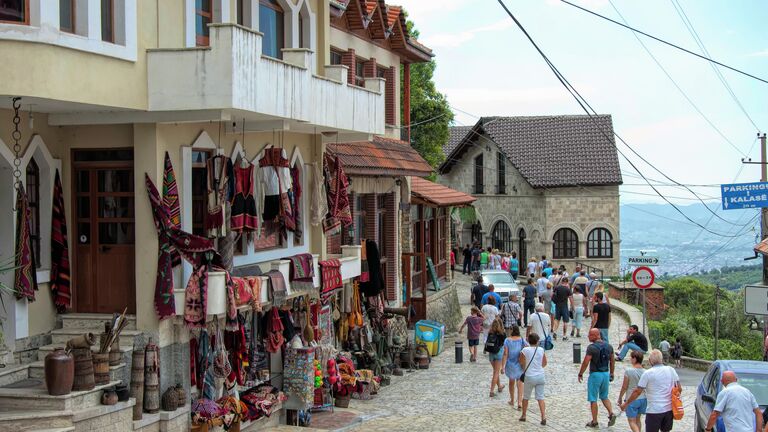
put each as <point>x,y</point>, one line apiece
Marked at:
<point>539,323</point>
<point>657,382</point>
<point>736,405</point>
<point>532,267</point>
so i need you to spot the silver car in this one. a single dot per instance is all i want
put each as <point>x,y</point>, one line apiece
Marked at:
<point>503,283</point>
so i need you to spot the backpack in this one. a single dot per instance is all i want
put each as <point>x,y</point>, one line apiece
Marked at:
<point>604,358</point>
<point>493,343</point>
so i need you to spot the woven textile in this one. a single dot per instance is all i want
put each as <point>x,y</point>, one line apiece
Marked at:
<point>60,282</point>
<point>296,173</point>
<point>319,206</point>
<point>330,271</point>
<point>277,285</point>
<point>25,281</point>
<point>171,201</point>
<point>302,272</point>
<point>221,188</point>
<point>195,301</point>
<point>339,211</point>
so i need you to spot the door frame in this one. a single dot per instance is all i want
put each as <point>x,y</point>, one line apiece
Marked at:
<point>74,166</point>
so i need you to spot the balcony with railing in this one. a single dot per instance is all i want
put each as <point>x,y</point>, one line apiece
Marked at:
<point>233,74</point>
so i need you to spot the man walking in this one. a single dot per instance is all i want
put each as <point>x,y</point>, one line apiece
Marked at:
<point>532,268</point>
<point>737,406</point>
<point>511,314</point>
<point>664,346</point>
<point>657,382</point>
<point>478,291</point>
<point>491,293</point>
<point>484,255</point>
<point>529,300</point>
<point>539,322</point>
<point>601,364</point>
<point>562,297</point>
<point>591,287</point>
<point>634,341</point>
<point>601,317</point>
<point>476,257</point>
<point>514,266</point>
<point>467,254</point>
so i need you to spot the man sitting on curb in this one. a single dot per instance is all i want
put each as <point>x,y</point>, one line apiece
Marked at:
<point>634,341</point>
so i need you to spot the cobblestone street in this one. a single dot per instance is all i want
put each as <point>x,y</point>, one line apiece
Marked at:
<point>454,397</point>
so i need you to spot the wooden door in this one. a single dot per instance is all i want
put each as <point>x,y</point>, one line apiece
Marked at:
<point>104,231</point>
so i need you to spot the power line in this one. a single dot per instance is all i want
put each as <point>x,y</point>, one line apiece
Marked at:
<point>677,86</point>
<point>689,25</point>
<point>665,42</point>
<point>584,104</point>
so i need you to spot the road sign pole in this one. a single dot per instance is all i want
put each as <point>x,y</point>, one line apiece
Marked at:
<point>764,222</point>
<point>717,319</point>
<point>645,313</point>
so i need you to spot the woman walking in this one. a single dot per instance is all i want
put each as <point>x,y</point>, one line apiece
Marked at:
<point>495,342</point>
<point>579,306</point>
<point>631,377</point>
<point>510,365</point>
<point>534,360</point>
<point>490,312</point>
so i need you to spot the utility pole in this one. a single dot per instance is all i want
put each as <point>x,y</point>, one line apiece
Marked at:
<point>717,319</point>
<point>764,220</point>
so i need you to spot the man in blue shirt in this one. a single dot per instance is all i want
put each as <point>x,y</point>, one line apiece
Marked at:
<point>548,271</point>
<point>491,292</point>
<point>514,266</point>
<point>529,300</point>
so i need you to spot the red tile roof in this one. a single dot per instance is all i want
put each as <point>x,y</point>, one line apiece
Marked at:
<point>437,194</point>
<point>380,157</point>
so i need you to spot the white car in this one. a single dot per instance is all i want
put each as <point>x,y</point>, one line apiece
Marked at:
<point>503,283</point>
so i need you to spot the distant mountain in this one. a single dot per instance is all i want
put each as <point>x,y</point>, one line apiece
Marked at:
<point>682,246</point>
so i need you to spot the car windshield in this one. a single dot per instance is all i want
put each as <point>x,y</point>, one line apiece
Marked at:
<point>757,384</point>
<point>498,278</point>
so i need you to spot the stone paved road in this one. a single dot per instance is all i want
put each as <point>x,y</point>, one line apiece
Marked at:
<point>454,397</point>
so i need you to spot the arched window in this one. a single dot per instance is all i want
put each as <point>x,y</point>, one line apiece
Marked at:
<point>477,235</point>
<point>33,197</point>
<point>522,251</point>
<point>566,244</point>
<point>600,243</point>
<point>501,237</point>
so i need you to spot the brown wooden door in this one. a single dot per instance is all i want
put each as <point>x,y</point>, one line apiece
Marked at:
<point>104,232</point>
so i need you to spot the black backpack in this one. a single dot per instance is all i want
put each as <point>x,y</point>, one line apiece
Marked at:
<point>604,358</point>
<point>493,343</point>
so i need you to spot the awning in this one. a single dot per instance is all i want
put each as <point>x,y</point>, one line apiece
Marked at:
<point>380,157</point>
<point>762,247</point>
<point>431,193</point>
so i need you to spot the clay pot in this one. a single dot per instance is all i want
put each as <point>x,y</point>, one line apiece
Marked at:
<point>59,372</point>
<point>109,397</point>
<point>122,392</point>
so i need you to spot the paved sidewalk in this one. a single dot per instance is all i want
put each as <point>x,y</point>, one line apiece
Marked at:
<point>454,397</point>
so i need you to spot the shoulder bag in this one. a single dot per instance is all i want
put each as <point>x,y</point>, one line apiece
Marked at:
<point>677,404</point>
<point>548,344</point>
<point>522,377</point>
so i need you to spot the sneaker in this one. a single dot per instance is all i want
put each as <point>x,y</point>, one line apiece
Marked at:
<point>565,338</point>
<point>611,420</point>
<point>554,336</point>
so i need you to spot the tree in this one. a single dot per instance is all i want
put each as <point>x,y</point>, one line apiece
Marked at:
<point>430,112</point>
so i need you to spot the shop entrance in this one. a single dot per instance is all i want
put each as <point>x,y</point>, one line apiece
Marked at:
<point>103,211</point>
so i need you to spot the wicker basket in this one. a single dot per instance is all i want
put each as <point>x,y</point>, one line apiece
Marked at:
<point>342,402</point>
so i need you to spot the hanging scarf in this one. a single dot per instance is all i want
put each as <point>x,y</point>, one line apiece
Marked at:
<point>296,201</point>
<point>319,206</point>
<point>193,361</point>
<point>171,201</point>
<point>339,211</point>
<point>25,281</point>
<point>195,303</point>
<point>255,284</point>
<point>302,272</point>
<point>231,319</point>
<point>221,188</point>
<point>62,293</point>
<point>365,276</point>
<point>202,357</point>
<point>190,247</point>
<point>277,284</point>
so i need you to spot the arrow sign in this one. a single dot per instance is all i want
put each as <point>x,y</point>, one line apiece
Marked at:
<point>643,261</point>
<point>744,195</point>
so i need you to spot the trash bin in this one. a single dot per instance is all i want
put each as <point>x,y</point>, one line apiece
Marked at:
<point>577,353</point>
<point>431,333</point>
<point>459,347</point>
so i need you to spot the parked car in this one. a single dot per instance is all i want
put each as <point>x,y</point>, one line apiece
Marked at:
<point>751,374</point>
<point>503,282</point>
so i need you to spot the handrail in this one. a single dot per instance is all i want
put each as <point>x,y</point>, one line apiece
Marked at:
<point>589,269</point>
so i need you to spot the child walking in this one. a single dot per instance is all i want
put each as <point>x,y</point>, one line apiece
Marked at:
<point>474,323</point>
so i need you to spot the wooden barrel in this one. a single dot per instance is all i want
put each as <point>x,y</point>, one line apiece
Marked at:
<point>115,356</point>
<point>137,382</point>
<point>151,379</point>
<point>101,368</point>
<point>84,378</point>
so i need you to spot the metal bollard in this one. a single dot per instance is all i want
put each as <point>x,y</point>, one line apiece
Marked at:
<point>577,352</point>
<point>459,347</point>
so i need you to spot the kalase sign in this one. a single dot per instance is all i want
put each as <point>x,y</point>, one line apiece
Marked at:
<point>744,195</point>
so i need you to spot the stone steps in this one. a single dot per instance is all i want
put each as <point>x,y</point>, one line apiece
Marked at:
<point>61,336</point>
<point>91,321</point>
<point>13,374</point>
<point>38,420</point>
<point>17,399</point>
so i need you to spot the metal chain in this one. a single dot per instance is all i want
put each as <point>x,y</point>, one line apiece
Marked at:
<point>16,135</point>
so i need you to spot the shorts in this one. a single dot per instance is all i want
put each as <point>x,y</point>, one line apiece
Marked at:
<point>473,342</point>
<point>562,313</point>
<point>658,422</point>
<point>532,383</point>
<point>597,386</point>
<point>496,357</point>
<point>637,408</point>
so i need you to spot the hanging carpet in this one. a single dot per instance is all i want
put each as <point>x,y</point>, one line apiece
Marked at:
<point>171,201</point>
<point>60,285</point>
<point>25,281</point>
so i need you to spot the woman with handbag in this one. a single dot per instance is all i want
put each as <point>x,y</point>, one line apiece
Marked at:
<point>510,365</point>
<point>535,360</point>
<point>494,344</point>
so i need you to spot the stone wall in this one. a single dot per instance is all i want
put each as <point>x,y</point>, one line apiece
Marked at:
<point>654,299</point>
<point>443,307</point>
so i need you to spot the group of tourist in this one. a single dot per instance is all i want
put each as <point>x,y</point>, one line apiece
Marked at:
<point>517,337</point>
<point>476,258</point>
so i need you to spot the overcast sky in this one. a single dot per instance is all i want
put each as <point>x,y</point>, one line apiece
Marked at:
<point>487,67</point>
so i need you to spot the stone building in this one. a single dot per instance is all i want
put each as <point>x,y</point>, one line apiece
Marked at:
<point>545,185</point>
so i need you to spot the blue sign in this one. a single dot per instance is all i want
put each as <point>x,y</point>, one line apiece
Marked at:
<point>744,195</point>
